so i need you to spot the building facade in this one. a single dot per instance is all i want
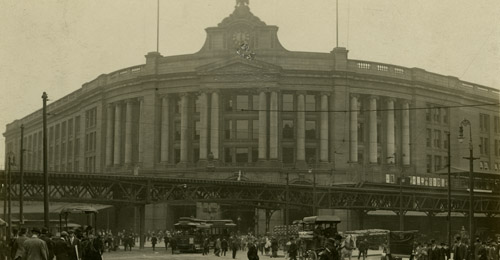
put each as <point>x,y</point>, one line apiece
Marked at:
<point>221,113</point>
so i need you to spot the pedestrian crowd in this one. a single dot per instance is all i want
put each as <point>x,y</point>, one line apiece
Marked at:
<point>39,244</point>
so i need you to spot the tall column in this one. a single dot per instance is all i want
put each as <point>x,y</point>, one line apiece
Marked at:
<point>184,127</point>
<point>128,133</point>
<point>164,129</point>
<point>324,129</point>
<point>214,128</point>
<point>301,128</point>
<point>391,144</point>
<point>373,130</point>
<point>203,125</point>
<point>273,123</point>
<point>140,144</point>
<point>262,126</point>
<point>354,128</point>
<point>118,134</point>
<point>406,133</point>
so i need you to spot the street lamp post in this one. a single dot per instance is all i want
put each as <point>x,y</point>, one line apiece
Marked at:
<point>314,191</point>
<point>401,213</point>
<point>471,158</point>
<point>45,171</point>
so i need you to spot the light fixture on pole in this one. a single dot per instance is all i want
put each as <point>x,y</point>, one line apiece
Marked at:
<point>471,159</point>
<point>310,170</point>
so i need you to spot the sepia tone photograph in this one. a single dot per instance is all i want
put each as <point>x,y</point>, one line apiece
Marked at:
<point>250,129</point>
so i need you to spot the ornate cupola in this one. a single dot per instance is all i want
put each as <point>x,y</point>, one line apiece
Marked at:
<point>241,27</point>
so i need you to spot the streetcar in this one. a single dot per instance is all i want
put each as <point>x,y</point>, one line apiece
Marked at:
<point>189,234</point>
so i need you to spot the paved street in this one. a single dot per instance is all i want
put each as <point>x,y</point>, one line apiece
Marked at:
<point>161,253</point>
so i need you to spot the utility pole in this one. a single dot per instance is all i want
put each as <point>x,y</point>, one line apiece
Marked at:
<point>9,200</point>
<point>21,175</point>
<point>401,212</point>
<point>45,172</point>
<point>449,190</point>
<point>286,204</point>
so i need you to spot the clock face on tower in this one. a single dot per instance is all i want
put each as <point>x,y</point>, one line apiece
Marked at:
<point>241,37</point>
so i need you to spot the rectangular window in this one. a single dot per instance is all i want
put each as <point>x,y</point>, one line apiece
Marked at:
<point>429,137</point>
<point>428,113</point>
<point>58,131</point>
<point>287,155</point>
<point>197,130</point>
<point>288,102</point>
<point>242,129</point>
<point>177,126</point>
<point>196,154</point>
<point>77,147</point>
<point>70,148</point>
<point>70,127</point>
<point>437,163</point>
<point>497,148</point>
<point>437,115</point>
<point>241,155</point>
<point>63,130</point>
<point>361,107</point>
<point>497,124</point>
<point>197,104</point>
<point>255,102</point>
<point>228,103</point>
<point>287,130</point>
<point>241,102</point>
<point>361,134</point>
<point>429,163</point>
<point>255,129</point>
<point>310,129</point>
<point>178,105</point>
<point>437,138</point>
<point>228,156</point>
<point>311,156</point>
<point>255,154</point>
<point>177,155</point>
<point>228,129</point>
<point>77,125</point>
<point>446,112</point>
<point>484,123</point>
<point>310,103</point>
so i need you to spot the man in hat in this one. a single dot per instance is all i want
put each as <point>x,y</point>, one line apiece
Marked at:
<point>35,248</point>
<point>61,246</point>
<point>330,252</point>
<point>74,252</point>
<point>18,248</point>
<point>292,250</point>
<point>46,237</point>
<point>460,250</point>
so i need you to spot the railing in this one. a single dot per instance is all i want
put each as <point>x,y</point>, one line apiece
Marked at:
<point>416,74</point>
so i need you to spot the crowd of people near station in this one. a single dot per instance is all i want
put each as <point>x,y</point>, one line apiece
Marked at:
<point>40,244</point>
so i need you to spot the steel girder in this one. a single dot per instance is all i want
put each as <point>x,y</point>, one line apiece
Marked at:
<point>121,189</point>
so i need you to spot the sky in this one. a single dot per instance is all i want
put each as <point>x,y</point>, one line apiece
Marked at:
<point>58,45</point>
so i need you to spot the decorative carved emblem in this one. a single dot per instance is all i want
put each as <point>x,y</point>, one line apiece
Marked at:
<point>242,2</point>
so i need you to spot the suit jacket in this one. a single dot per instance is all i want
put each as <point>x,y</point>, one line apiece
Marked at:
<point>35,249</point>
<point>460,252</point>
<point>433,253</point>
<point>74,246</point>
<point>18,247</point>
<point>61,249</point>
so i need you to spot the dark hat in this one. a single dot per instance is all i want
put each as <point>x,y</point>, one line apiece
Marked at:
<point>330,241</point>
<point>35,230</point>
<point>71,231</point>
<point>64,234</point>
<point>45,230</point>
<point>338,237</point>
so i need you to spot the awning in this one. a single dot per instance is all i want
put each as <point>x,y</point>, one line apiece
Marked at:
<point>78,209</point>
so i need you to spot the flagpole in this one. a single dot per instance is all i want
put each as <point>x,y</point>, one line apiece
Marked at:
<point>337,17</point>
<point>158,26</point>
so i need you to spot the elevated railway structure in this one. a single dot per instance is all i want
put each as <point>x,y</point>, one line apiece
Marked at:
<point>142,190</point>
